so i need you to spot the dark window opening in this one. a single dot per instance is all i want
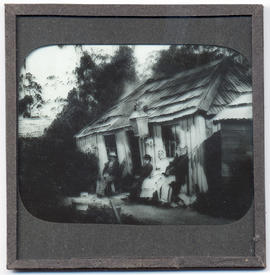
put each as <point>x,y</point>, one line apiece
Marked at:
<point>135,151</point>
<point>110,143</point>
<point>170,140</point>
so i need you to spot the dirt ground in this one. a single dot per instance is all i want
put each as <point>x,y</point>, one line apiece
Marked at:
<point>138,212</point>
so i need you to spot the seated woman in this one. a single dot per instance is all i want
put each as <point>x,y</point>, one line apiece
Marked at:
<point>145,172</point>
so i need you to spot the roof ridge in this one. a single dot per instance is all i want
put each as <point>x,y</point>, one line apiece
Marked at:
<point>197,69</point>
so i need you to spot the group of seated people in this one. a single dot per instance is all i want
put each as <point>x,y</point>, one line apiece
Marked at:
<point>111,173</point>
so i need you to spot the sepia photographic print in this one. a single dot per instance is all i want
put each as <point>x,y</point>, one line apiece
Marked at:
<point>136,134</point>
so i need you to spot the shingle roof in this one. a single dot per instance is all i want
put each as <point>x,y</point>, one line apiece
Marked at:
<point>208,88</point>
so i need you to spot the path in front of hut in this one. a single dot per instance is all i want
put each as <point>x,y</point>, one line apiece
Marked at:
<point>147,213</point>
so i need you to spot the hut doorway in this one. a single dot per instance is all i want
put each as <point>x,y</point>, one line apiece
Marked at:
<point>110,143</point>
<point>170,140</point>
<point>135,151</point>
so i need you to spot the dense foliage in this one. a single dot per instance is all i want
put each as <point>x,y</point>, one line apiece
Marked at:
<point>100,82</point>
<point>50,169</point>
<point>176,59</point>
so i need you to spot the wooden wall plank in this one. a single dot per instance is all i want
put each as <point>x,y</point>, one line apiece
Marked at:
<point>190,181</point>
<point>123,151</point>
<point>194,161</point>
<point>102,152</point>
<point>201,132</point>
<point>199,135</point>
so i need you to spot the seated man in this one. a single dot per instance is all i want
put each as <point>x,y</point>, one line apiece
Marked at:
<point>145,172</point>
<point>179,168</point>
<point>110,173</point>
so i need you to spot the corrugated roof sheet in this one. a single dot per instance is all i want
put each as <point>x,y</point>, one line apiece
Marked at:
<point>209,88</point>
<point>222,99</point>
<point>239,109</point>
<point>243,99</point>
<point>238,113</point>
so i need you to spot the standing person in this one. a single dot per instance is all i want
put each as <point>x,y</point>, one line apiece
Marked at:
<point>110,173</point>
<point>145,172</point>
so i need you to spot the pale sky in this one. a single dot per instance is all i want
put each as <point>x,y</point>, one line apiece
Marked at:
<point>60,62</point>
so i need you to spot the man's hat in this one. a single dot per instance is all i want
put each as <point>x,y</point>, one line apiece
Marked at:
<point>147,157</point>
<point>112,154</point>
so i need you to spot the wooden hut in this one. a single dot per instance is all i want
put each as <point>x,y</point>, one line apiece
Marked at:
<point>236,136</point>
<point>164,115</point>
<point>229,160</point>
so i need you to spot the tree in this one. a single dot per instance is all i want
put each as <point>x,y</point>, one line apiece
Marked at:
<point>180,58</point>
<point>31,94</point>
<point>24,105</point>
<point>101,81</point>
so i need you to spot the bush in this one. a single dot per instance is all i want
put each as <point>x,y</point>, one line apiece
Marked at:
<point>50,169</point>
